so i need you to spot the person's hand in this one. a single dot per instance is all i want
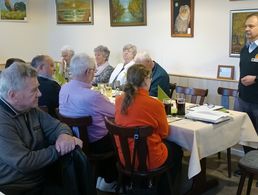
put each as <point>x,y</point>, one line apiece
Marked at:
<point>248,80</point>
<point>66,143</point>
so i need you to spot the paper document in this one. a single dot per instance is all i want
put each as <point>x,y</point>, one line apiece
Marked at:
<point>208,116</point>
<point>205,107</point>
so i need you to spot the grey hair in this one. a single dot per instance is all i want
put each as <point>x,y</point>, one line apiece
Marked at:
<point>132,47</point>
<point>104,50</point>
<point>142,56</point>
<point>80,63</point>
<point>13,77</point>
<point>38,60</point>
<point>68,49</point>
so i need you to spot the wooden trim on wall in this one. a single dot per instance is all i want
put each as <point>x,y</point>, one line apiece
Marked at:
<point>198,77</point>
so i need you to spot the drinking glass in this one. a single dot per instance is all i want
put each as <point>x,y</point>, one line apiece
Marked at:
<point>180,104</point>
<point>167,104</point>
<point>108,91</point>
<point>102,88</point>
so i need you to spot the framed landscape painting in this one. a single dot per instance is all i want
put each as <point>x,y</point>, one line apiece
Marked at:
<point>13,10</point>
<point>237,30</point>
<point>127,12</point>
<point>182,18</point>
<point>74,11</point>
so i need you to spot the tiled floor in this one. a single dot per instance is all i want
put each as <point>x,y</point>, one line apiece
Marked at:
<point>216,169</point>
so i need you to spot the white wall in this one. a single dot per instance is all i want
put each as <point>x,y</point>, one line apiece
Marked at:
<point>197,56</point>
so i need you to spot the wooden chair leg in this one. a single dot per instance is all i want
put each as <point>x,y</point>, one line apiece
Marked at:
<point>170,183</point>
<point>241,184</point>
<point>250,181</point>
<point>229,162</point>
<point>219,155</point>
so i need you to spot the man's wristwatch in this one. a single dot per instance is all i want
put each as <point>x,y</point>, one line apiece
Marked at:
<point>256,80</point>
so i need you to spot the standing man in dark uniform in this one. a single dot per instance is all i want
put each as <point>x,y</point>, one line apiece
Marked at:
<point>248,82</point>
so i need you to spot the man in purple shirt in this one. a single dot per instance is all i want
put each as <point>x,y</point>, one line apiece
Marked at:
<point>76,99</point>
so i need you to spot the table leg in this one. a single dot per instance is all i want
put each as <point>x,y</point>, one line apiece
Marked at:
<point>200,183</point>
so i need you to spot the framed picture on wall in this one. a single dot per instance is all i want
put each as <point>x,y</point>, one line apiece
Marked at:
<point>13,10</point>
<point>74,12</point>
<point>127,12</point>
<point>225,72</point>
<point>237,37</point>
<point>182,18</point>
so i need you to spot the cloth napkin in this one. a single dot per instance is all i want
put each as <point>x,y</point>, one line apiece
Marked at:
<point>161,94</point>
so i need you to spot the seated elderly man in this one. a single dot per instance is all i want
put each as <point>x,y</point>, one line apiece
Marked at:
<point>159,75</point>
<point>76,99</point>
<point>48,87</point>
<point>30,139</point>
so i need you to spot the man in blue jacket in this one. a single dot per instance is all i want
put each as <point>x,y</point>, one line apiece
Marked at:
<point>159,75</point>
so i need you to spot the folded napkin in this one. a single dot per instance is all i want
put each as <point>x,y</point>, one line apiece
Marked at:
<point>208,116</point>
<point>161,94</point>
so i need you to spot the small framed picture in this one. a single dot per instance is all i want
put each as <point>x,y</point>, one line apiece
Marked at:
<point>225,72</point>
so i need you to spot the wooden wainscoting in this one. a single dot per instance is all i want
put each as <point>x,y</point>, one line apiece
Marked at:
<point>206,83</point>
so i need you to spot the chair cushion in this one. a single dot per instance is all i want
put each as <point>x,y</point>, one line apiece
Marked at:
<point>250,160</point>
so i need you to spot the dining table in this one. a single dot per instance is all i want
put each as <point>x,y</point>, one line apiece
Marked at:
<point>203,139</point>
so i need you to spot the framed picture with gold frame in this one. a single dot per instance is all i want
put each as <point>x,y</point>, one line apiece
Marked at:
<point>128,12</point>
<point>237,30</point>
<point>226,72</point>
<point>182,18</point>
<point>74,11</point>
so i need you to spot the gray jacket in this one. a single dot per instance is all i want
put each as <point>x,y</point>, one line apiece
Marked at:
<point>27,145</point>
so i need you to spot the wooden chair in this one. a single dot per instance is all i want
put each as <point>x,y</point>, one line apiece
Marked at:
<point>249,167</point>
<point>226,93</point>
<point>193,93</point>
<point>44,108</point>
<point>139,134</point>
<point>172,87</point>
<point>82,123</point>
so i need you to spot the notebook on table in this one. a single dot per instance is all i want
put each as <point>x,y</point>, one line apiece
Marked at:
<point>208,116</point>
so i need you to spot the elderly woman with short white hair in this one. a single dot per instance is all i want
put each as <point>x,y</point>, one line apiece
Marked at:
<point>103,68</point>
<point>119,74</point>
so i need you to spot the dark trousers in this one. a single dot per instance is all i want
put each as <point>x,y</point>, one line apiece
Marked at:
<point>106,168</point>
<point>252,110</point>
<point>175,154</point>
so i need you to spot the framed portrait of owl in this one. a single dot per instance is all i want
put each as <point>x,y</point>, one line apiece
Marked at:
<point>182,18</point>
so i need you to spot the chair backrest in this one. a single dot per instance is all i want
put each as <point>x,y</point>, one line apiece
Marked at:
<point>44,108</point>
<point>194,93</point>
<point>124,134</point>
<point>225,94</point>
<point>172,87</point>
<point>81,123</point>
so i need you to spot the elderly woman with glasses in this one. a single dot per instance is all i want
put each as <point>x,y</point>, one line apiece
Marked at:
<point>136,108</point>
<point>103,69</point>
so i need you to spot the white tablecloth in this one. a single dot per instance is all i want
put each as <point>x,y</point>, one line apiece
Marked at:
<point>204,139</point>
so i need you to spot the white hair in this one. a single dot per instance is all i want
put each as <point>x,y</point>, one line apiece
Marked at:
<point>13,77</point>
<point>80,63</point>
<point>68,49</point>
<point>142,56</point>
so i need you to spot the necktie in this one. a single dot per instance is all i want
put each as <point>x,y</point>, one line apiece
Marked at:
<point>117,76</point>
<point>252,47</point>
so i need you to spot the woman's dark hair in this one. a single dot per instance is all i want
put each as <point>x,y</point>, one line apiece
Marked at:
<point>135,78</point>
<point>10,61</point>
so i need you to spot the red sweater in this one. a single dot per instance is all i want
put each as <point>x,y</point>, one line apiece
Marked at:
<point>143,111</point>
